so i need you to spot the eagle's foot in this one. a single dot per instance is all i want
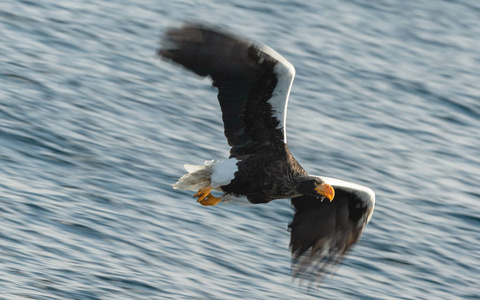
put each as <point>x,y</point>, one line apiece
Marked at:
<point>205,197</point>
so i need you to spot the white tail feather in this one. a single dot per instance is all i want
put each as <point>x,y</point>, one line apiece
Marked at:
<point>192,168</point>
<point>196,178</point>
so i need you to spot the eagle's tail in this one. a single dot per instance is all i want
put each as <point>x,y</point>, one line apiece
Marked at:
<point>196,178</point>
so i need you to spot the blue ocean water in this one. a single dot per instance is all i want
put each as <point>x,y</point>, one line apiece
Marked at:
<point>94,129</point>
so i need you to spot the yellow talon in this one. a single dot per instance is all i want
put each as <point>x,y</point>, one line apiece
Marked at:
<point>205,197</point>
<point>203,193</point>
<point>210,200</point>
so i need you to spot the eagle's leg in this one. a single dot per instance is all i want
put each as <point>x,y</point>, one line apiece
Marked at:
<point>205,197</point>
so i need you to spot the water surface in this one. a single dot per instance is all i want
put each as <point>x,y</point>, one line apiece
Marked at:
<point>94,129</point>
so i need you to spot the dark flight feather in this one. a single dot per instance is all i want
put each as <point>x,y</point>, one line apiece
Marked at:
<point>245,78</point>
<point>322,232</point>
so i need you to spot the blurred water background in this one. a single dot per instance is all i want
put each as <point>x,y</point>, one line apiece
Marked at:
<point>94,129</point>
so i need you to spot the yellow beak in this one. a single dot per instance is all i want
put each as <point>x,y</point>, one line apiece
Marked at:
<point>326,190</point>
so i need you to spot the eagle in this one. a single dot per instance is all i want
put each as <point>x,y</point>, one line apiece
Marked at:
<point>254,83</point>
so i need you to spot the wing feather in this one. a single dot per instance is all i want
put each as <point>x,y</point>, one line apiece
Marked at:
<point>322,232</point>
<point>253,83</point>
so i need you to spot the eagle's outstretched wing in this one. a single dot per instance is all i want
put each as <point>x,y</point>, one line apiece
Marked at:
<point>322,231</point>
<point>253,83</point>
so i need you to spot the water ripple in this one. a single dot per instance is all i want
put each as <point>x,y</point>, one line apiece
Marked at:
<point>94,130</point>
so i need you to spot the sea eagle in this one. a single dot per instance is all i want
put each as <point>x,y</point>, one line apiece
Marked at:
<point>254,84</point>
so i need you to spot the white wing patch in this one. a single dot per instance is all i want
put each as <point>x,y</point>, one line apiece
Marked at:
<point>366,194</point>
<point>285,72</point>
